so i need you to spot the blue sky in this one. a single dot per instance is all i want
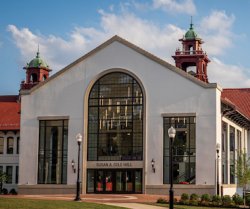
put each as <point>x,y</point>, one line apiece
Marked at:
<point>66,30</point>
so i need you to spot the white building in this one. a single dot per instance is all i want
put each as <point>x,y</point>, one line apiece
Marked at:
<point>123,99</point>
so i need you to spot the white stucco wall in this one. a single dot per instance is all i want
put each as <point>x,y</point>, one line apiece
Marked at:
<point>166,92</point>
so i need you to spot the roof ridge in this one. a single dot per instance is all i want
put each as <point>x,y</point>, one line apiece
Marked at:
<point>135,48</point>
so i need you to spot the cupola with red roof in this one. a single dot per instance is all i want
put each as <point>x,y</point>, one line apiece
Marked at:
<point>192,55</point>
<point>37,71</point>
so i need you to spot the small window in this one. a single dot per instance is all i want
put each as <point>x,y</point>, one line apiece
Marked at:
<point>17,145</point>
<point>1,145</point>
<point>10,145</point>
<point>9,170</point>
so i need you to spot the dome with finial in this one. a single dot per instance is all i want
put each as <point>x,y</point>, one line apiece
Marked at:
<point>37,62</point>
<point>191,34</point>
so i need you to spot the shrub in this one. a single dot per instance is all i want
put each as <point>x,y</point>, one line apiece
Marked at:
<point>193,202</point>
<point>184,196</point>
<point>216,200</point>
<point>226,200</point>
<point>184,199</point>
<point>194,197</point>
<point>205,199</point>
<point>4,191</point>
<point>13,192</point>
<point>238,200</point>
<point>162,201</point>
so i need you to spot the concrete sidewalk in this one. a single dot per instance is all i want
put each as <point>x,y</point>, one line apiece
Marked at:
<point>135,205</point>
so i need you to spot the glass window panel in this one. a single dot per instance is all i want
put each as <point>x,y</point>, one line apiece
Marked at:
<point>113,121</point>
<point>90,181</point>
<point>232,155</point>
<point>10,145</point>
<point>94,92</point>
<point>56,123</point>
<point>9,171</point>
<point>42,122</point>
<point>17,145</point>
<point>184,146</point>
<point>138,182</point>
<point>224,143</point>
<point>1,145</point>
<point>53,148</point>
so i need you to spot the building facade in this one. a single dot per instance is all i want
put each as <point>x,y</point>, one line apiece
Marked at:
<point>10,140</point>
<point>109,96</point>
<point>123,100</point>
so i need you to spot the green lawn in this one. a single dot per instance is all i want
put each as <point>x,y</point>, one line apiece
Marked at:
<point>16,203</point>
<point>187,207</point>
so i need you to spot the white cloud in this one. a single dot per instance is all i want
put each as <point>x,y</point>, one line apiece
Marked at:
<point>59,52</point>
<point>216,30</point>
<point>55,50</point>
<point>159,40</point>
<point>228,76</point>
<point>174,6</point>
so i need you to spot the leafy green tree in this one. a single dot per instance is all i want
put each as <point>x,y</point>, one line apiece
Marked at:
<point>242,172</point>
<point>3,179</point>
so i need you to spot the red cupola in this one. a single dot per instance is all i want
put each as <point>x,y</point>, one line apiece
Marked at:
<point>36,71</point>
<point>192,55</point>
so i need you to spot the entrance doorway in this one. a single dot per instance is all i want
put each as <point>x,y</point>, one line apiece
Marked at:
<point>114,181</point>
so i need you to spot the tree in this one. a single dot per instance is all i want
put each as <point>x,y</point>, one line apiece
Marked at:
<point>242,172</point>
<point>3,179</point>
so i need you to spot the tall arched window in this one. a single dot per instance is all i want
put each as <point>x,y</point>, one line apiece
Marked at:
<point>115,120</point>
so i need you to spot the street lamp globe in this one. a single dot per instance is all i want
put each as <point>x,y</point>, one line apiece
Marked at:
<point>218,147</point>
<point>79,138</point>
<point>171,132</point>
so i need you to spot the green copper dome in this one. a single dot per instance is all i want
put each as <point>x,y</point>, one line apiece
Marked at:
<point>37,62</point>
<point>191,34</point>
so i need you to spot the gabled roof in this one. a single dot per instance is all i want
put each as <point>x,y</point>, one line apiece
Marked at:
<point>135,48</point>
<point>240,98</point>
<point>9,113</point>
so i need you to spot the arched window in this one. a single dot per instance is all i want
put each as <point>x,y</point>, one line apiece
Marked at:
<point>115,120</point>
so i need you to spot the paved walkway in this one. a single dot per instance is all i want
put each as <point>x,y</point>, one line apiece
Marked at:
<point>135,205</point>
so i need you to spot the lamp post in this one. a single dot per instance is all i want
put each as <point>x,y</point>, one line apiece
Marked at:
<point>171,134</point>
<point>217,168</point>
<point>79,141</point>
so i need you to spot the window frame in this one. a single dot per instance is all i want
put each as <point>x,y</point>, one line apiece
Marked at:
<point>134,99</point>
<point>189,152</point>
<point>44,152</point>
